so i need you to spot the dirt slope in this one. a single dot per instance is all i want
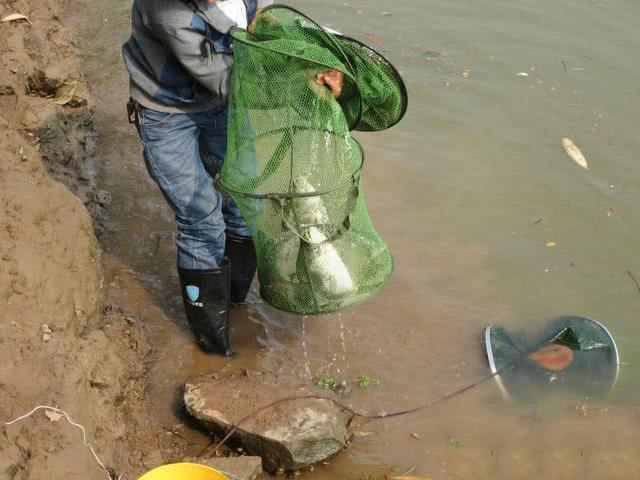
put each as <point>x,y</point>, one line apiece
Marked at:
<point>59,344</point>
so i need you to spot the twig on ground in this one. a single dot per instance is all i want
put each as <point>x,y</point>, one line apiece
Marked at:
<point>39,139</point>
<point>634,280</point>
<point>408,472</point>
<point>109,471</point>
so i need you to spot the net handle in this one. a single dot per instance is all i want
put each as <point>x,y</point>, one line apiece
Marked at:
<point>403,87</point>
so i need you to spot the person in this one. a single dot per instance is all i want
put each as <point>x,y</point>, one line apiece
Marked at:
<point>179,58</point>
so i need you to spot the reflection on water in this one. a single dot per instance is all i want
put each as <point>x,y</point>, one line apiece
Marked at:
<point>488,220</point>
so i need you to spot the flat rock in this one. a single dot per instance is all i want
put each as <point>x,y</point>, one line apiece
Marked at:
<point>289,436</point>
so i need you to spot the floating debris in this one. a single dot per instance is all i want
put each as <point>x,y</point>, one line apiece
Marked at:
<point>635,280</point>
<point>574,153</point>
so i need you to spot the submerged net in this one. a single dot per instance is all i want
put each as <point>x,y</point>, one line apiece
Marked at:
<point>294,169</point>
<point>572,355</point>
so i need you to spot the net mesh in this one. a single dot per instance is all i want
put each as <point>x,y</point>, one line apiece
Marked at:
<point>294,169</point>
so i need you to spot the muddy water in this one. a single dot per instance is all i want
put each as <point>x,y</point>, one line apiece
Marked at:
<point>469,191</point>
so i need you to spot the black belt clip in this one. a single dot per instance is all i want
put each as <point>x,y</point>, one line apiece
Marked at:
<point>132,111</point>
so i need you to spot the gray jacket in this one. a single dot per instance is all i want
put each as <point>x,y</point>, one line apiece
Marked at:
<point>179,54</point>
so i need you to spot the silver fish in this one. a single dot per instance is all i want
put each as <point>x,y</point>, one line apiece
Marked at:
<point>309,213</point>
<point>322,261</point>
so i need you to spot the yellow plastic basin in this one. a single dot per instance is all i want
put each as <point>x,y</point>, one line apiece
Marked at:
<point>183,471</point>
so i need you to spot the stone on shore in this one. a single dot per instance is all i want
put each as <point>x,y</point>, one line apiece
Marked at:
<point>288,436</point>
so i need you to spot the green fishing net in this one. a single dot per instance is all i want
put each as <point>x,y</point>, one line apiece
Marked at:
<point>293,167</point>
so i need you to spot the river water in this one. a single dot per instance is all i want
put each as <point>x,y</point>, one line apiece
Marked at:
<point>488,219</point>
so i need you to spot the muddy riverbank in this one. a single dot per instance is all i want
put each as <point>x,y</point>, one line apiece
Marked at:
<point>62,343</point>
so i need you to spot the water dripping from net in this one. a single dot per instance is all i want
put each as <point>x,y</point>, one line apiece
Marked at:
<point>307,367</point>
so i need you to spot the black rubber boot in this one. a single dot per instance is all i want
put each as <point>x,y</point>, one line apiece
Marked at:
<point>242,254</point>
<point>205,294</point>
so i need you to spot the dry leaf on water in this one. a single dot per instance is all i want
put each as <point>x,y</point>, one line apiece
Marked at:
<point>73,94</point>
<point>574,153</point>
<point>67,94</point>
<point>13,17</point>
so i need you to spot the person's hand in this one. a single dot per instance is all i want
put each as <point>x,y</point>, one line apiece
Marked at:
<point>332,79</point>
<point>252,26</point>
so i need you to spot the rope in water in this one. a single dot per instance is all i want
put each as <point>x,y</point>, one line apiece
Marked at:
<point>354,413</point>
<point>111,475</point>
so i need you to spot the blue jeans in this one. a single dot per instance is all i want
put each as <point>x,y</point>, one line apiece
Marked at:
<point>183,153</point>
